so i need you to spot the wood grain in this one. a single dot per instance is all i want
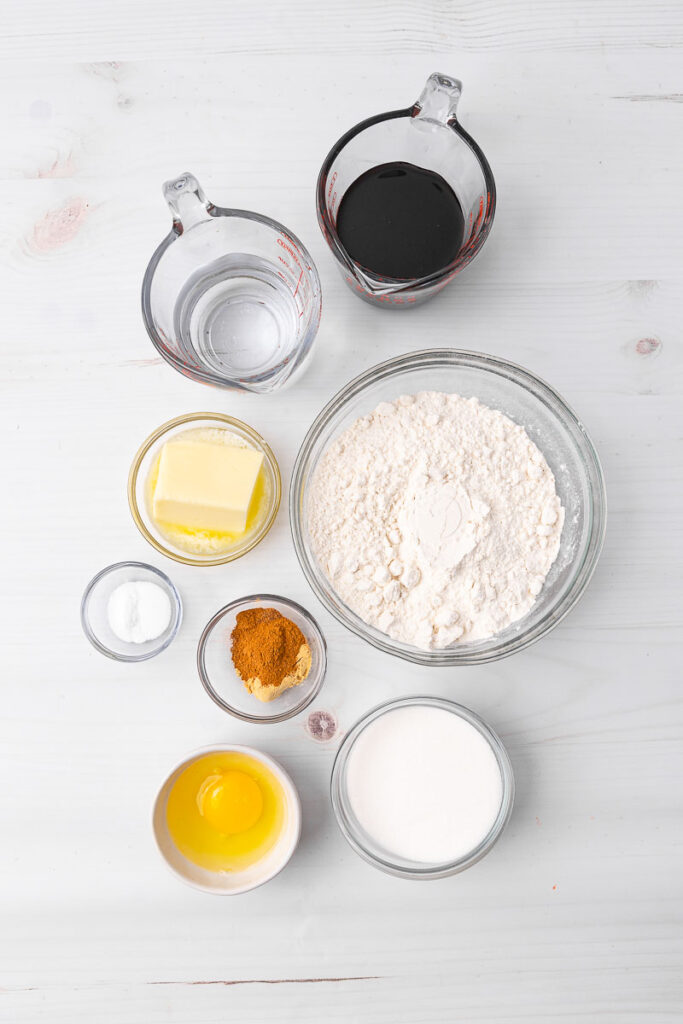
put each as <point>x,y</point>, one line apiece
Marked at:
<point>576,915</point>
<point>79,30</point>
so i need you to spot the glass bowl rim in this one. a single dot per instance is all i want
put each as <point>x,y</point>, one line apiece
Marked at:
<point>187,418</point>
<point>596,512</point>
<point>276,768</point>
<point>433,871</point>
<point>249,600</point>
<point>85,619</point>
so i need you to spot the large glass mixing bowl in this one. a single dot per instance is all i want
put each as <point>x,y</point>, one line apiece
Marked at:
<point>550,424</point>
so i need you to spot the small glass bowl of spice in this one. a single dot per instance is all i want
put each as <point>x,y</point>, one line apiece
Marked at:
<point>262,658</point>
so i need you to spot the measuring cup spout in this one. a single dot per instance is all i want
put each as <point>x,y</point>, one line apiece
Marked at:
<point>373,285</point>
<point>438,100</point>
<point>187,202</point>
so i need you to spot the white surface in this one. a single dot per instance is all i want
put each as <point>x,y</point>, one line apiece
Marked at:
<point>576,915</point>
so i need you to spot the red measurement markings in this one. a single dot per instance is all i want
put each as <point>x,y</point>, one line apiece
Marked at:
<point>331,197</point>
<point>477,224</point>
<point>290,247</point>
<point>481,211</point>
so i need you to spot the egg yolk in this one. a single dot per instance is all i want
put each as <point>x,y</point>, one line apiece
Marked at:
<point>226,811</point>
<point>230,802</point>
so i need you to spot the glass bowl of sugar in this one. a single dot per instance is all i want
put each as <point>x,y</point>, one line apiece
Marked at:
<point>422,788</point>
<point>131,611</point>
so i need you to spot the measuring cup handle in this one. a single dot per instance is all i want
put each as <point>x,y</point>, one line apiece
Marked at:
<point>439,99</point>
<point>187,202</point>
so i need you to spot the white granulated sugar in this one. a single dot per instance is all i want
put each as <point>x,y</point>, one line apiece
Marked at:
<point>435,519</point>
<point>424,783</point>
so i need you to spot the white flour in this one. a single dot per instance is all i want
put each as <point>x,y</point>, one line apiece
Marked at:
<point>436,519</point>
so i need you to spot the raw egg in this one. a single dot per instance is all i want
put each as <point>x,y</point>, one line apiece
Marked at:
<point>225,811</point>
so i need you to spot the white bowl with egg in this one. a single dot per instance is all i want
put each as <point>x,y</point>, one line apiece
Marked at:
<point>227,882</point>
<point>422,788</point>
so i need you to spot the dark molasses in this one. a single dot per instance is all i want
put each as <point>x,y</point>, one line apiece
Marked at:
<point>401,221</point>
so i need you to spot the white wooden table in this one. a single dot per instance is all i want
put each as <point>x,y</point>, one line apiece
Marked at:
<point>576,915</point>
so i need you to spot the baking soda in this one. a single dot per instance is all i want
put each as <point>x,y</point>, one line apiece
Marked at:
<point>138,611</point>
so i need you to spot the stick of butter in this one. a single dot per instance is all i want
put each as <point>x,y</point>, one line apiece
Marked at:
<point>204,485</point>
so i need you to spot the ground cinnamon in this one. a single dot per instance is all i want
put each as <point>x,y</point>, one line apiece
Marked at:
<point>269,652</point>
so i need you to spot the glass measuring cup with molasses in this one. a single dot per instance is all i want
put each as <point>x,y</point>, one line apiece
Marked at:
<point>406,199</point>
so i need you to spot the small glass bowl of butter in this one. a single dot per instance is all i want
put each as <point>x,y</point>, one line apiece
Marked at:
<point>204,489</point>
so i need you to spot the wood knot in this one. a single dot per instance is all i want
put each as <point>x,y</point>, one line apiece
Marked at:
<point>648,346</point>
<point>321,726</point>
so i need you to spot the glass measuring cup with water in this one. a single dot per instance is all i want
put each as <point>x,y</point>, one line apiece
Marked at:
<point>230,298</point>
<point>426,137</point>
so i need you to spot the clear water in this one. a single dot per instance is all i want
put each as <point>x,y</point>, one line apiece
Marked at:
<point>238,318</point>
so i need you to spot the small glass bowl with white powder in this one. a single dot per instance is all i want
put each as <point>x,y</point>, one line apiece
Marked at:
<point>422,788</point>
<point>131,611</point>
